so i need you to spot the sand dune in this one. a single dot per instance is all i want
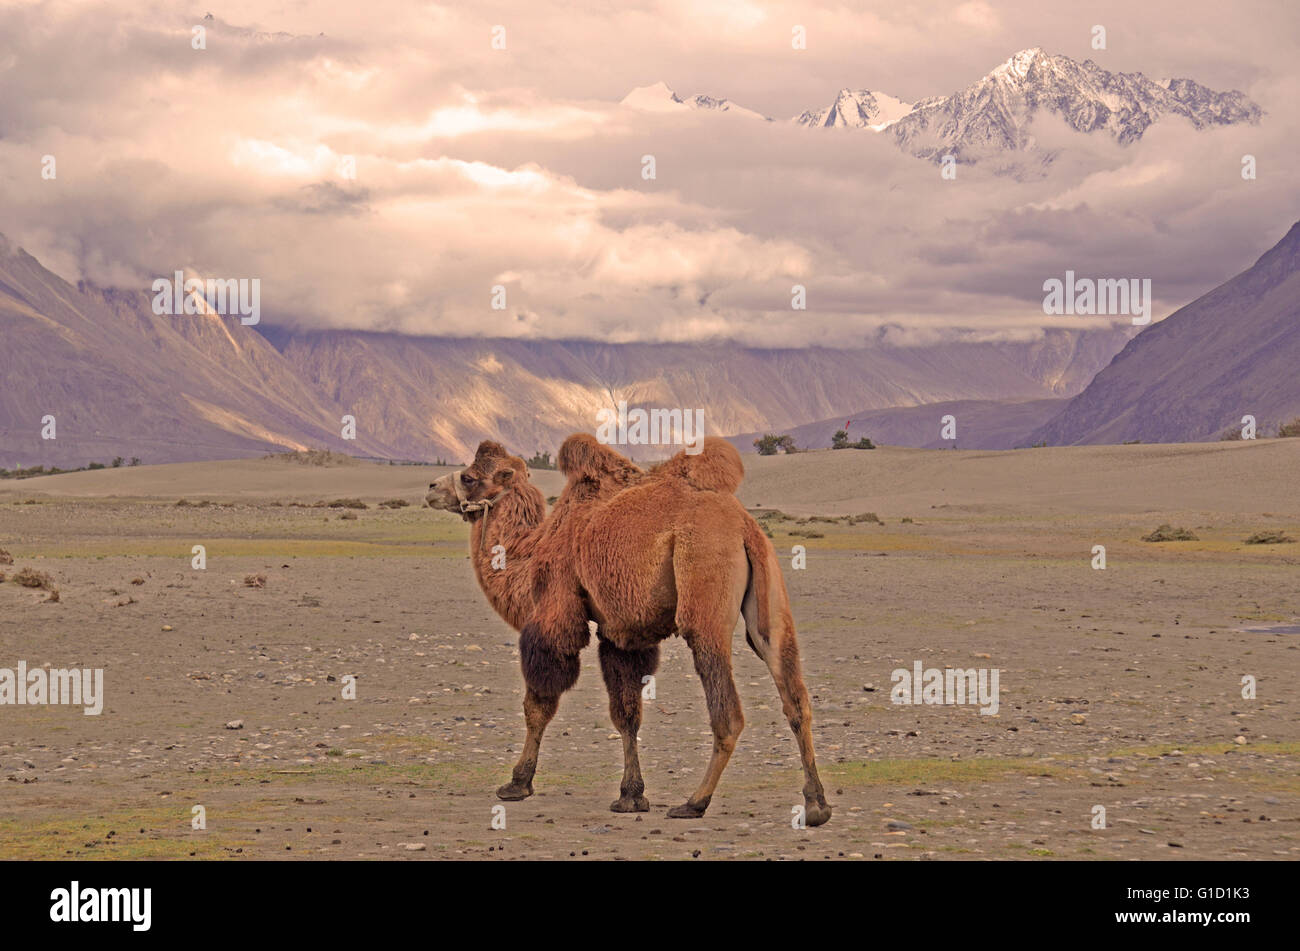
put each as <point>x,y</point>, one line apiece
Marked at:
<point>1230,477</point>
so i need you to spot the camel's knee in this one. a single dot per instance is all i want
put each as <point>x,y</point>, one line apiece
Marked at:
<point>547,672</point>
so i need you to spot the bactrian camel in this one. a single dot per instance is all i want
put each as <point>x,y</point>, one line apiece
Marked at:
<point>644,555</point>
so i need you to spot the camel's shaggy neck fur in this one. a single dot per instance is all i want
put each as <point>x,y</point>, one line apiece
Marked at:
<point>512,524</point>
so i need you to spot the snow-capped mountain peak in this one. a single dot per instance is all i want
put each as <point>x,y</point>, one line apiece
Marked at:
<point>1017,67</point>
<point>653,98</point>
<point>660,98</point>
<point>857,109</point>
<point>993,115</point>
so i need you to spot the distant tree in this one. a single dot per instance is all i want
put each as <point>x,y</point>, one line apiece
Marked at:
<point>541,460</point>
<point>864,443</point>
<point>135,460</point>
<point>840,440</point>
<point>771,444</point>
<point>1289,429</point>
<point>117,462</point>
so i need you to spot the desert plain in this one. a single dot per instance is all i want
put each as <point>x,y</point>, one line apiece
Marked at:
<point>1120,687</point>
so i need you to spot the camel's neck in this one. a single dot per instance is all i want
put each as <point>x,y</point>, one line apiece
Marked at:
<point>501,559</point>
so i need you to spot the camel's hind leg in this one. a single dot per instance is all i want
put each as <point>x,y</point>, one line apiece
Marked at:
<point>778,647</point>
<point>707,607</point>
<point>623,671</point>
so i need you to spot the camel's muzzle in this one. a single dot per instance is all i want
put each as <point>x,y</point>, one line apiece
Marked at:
<point>446,493</point>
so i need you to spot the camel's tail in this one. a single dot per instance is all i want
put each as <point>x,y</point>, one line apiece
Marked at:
<point>715,467</point>
<point>766,607</point>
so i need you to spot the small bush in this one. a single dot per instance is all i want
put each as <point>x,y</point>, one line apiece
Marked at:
<point>255,581</point>
<point>394,504</point>
<point>350,516</point>
<point>31,578</point>
<point>347,504</point>
<point>1288,430</point>
<point>1167,533</point>
<point>771,444</point>
<point>1269,538</point>
<point>313,457</point>
<point>871,517</point>
<point>6,558</point>
<point>1231,434</point>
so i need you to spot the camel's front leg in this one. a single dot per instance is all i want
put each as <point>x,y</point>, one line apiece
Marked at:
<point>538,711</point>
<point>623,671</point>
<point>549,670</point>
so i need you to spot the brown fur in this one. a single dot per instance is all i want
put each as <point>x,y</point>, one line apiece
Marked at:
<point>645,555</point>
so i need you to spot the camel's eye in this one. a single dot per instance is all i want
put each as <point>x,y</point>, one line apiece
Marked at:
<point>467,479</point>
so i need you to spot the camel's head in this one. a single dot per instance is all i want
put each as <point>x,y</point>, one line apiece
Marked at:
<point>492,473</point>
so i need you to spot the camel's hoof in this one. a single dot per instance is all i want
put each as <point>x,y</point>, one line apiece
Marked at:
<point>630,804</point>
<point>815,814</point>
<point>512,792</point>
<point>686,811</point>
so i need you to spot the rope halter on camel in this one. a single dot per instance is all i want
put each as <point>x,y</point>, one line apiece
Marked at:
<point>468,508</point>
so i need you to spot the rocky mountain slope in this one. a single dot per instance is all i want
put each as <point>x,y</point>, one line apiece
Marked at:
<point>1230,353</point>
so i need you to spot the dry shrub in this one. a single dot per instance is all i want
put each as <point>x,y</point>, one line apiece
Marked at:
<point>1269,538</point>
<point>347,504</point>
<point>870,517</point>
<point>1167,533</point>
<point>255,581</point>
<point>394,504</point>
<point>313,457</point>
<point>350,516</point>
<point>31,578</point>
<point>6,558</point>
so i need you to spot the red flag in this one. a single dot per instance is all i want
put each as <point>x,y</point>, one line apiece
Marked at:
<point>847,424</point>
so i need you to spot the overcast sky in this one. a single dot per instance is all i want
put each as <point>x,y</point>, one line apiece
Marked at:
<point>477,166</point>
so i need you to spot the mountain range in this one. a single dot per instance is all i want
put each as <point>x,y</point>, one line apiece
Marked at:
<point>120,380</point>
<point>1192,377</point>
<point>1231,353</point>
<point>995,114</point>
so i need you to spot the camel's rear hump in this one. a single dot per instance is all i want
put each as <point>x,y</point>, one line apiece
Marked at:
<point>715,467</point>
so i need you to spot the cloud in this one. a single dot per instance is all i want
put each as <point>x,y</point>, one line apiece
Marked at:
<point>385,167</point>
